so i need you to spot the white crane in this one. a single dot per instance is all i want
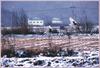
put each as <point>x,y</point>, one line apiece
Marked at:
<point>74,25</point>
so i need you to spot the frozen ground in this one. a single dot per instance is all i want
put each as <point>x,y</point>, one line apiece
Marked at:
<point>50,62</point>
<point>56,62</point>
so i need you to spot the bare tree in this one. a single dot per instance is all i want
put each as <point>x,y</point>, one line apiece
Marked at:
<point>15,18</point>
<point>23,22</point>
<point>87,27</point>
<point>20,20</point>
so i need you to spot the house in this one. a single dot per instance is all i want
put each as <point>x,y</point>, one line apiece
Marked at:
<point>36,25</point>
<point>35,22</point>
<point>56,21</point>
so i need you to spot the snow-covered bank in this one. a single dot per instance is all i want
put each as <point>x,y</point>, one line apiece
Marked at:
<point>51,62</point>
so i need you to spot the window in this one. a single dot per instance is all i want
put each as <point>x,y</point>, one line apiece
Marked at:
<point>33,22</point>
<point>30,22</point>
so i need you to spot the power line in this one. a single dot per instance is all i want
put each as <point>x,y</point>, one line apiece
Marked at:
<point>39,10</point>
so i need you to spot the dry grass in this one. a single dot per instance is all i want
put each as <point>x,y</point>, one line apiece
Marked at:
<point>81,42</point>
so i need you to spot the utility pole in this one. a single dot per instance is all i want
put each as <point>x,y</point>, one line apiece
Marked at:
<point>85,19</point>
<point>12,27</point>
<point>74,16</point>
<point>49,36</point>
<point>73,11</point>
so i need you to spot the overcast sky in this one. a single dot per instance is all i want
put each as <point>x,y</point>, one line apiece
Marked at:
<point>62,9</point>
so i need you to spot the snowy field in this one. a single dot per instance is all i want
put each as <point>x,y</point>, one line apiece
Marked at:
<point>77,42</point>
<point>51,62</point>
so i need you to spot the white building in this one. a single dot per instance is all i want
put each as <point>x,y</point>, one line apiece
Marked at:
<point>56,21</point>
<point>36,25</point>
<point>35,22</point>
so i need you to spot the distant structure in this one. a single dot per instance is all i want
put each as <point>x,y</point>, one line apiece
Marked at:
<point>56,21</point>
<point>35,22</point>
<point>36,25</point>
<point>56,24</point>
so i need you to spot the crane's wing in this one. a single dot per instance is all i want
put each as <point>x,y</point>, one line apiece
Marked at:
<point>73,24</point>
<point>72,21</point>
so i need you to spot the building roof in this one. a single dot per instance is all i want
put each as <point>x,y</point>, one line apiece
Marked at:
<point>35,18</point>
